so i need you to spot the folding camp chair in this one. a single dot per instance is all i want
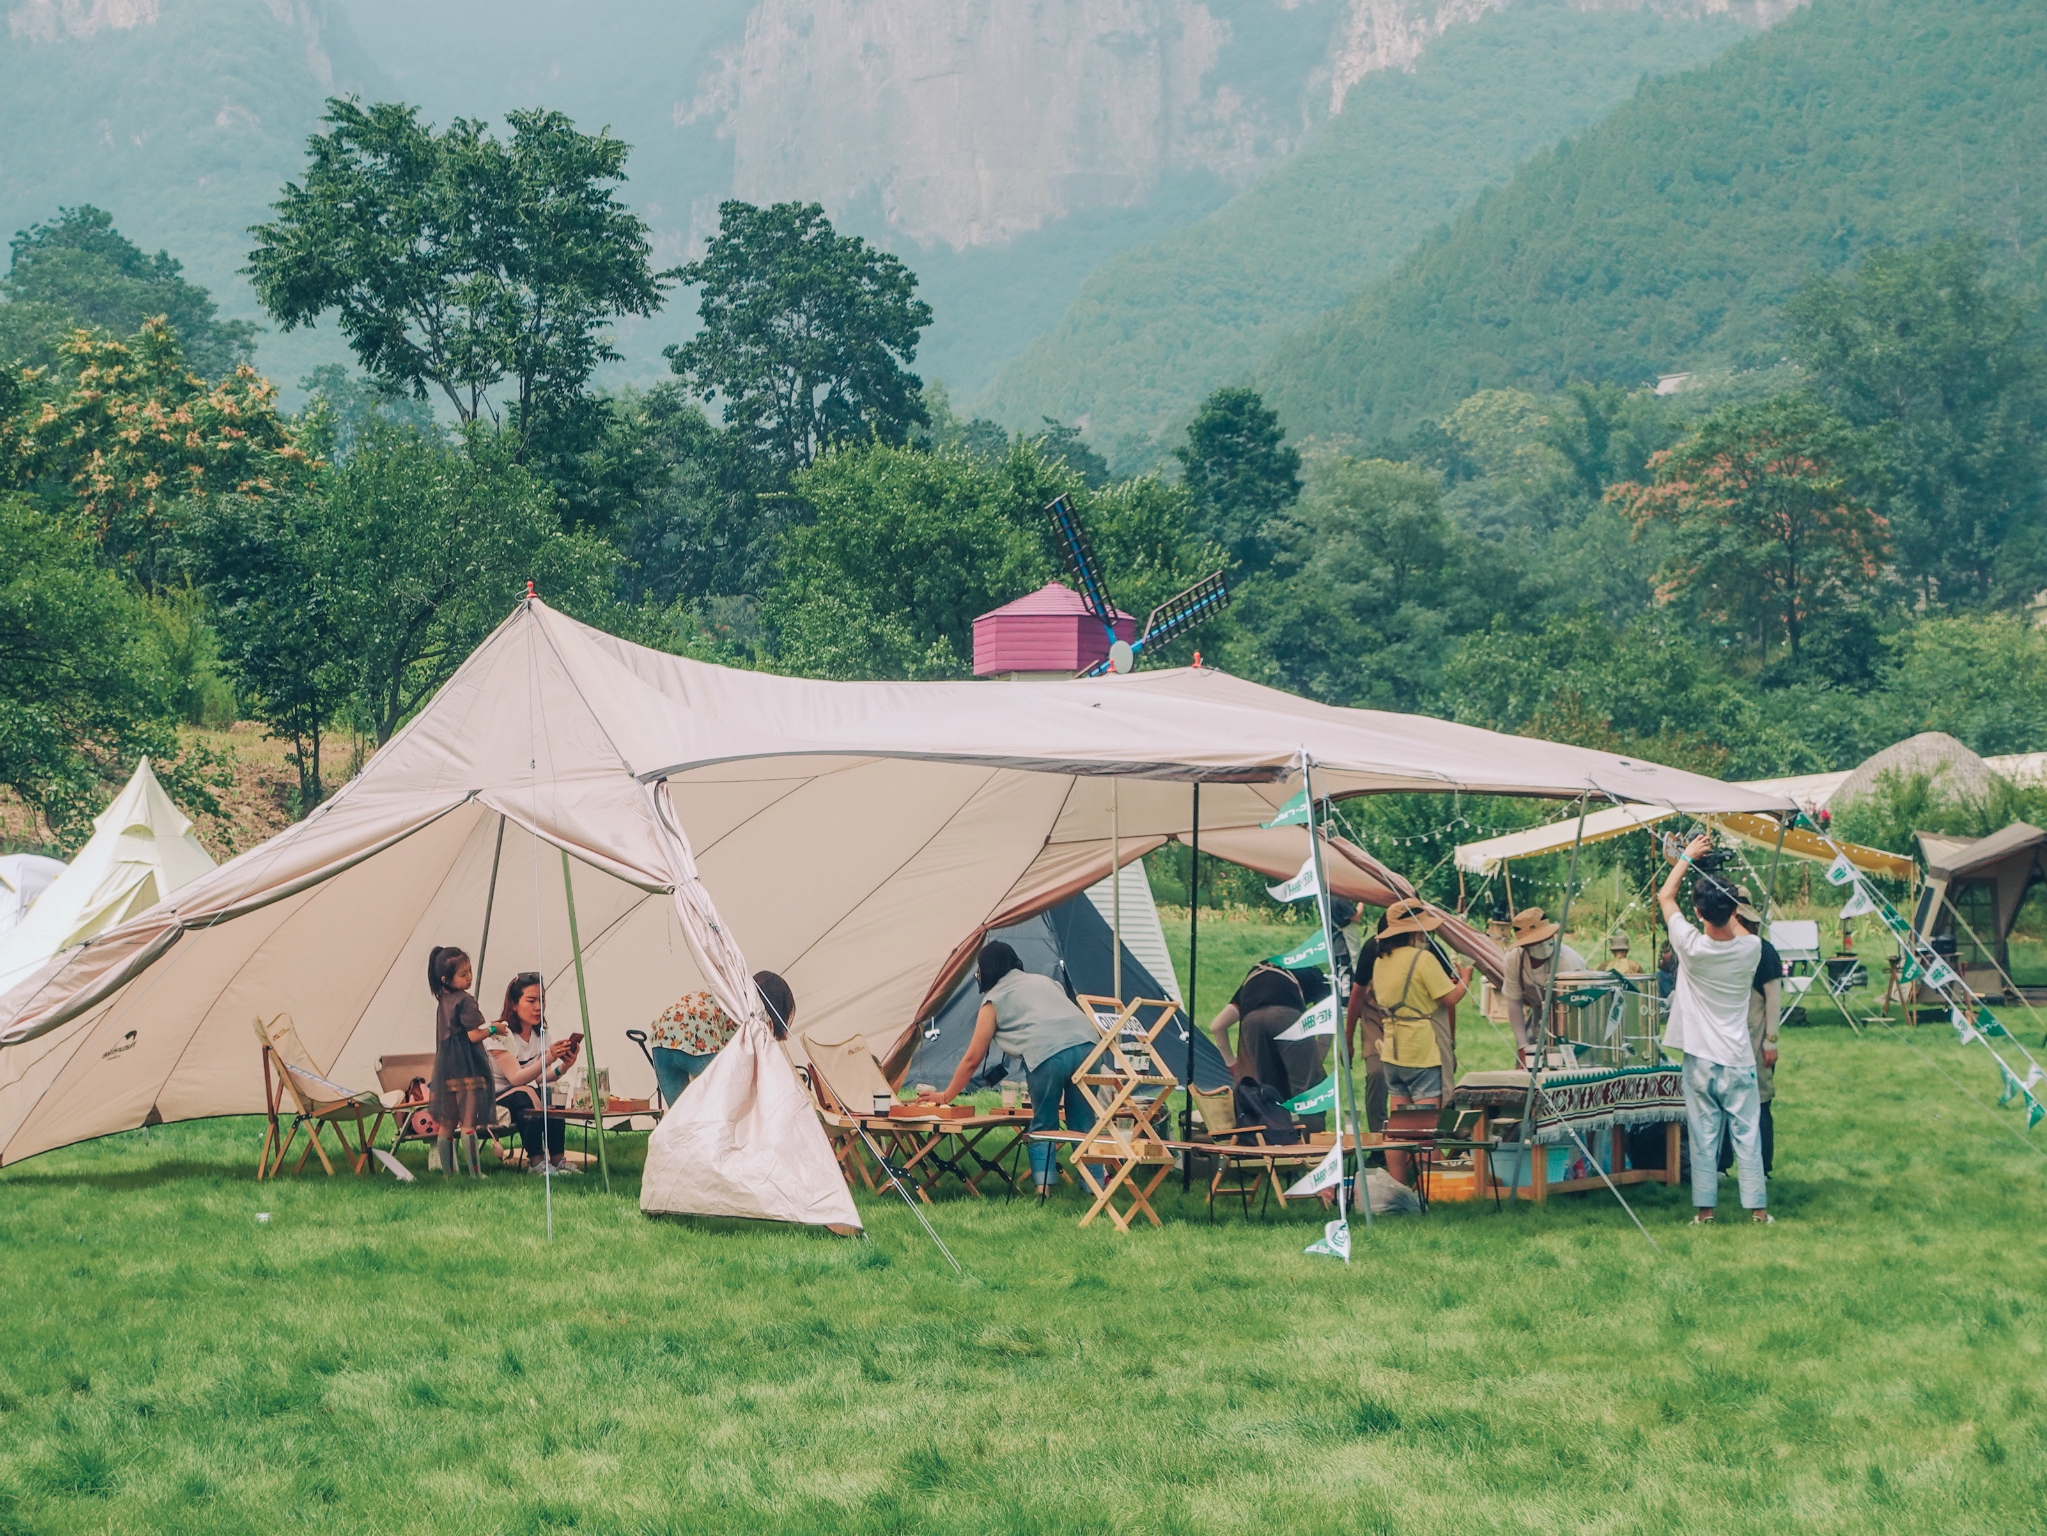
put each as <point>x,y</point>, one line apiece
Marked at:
<point>1236,1150</point>
<point>395,1074</point>
<point>847,1082</point>
<point>322,1103</point>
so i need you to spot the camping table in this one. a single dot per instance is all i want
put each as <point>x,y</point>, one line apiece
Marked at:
<point>611,1120</point>
<point>937,1147</point>
<point>1588,1100</point>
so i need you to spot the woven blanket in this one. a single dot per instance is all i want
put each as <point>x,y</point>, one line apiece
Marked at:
<point>1583,1101</point>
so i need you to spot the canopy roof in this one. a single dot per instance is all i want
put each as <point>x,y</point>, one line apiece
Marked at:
<point>1959,859</point>
<point>142,849</point>
<point>855,837</point>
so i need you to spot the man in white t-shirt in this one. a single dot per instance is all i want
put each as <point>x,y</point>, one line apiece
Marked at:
<point>1716,964</point>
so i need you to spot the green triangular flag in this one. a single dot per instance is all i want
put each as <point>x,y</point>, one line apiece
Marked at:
<point>2011,1085</point>
<point>1293,814</point>
<point>2035,1112</point>
<point>1314,952</point>
<point>1908,968</point>
<point>1322,1097</point>
<point>1987,1022</point>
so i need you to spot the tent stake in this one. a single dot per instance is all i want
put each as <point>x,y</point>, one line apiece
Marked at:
<point>1193,986</point>
<point>589,1045</point>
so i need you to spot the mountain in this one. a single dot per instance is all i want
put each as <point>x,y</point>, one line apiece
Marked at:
<point>1161,325</point>
<point>181,118</point>
<point>1666,238</point>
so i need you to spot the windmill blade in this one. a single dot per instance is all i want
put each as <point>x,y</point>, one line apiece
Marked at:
<point>1080,561</point>
<point>1182,611</point>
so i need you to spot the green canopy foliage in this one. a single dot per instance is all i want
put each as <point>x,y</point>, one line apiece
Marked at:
<point>1240,472</point>
<point>807,335</point>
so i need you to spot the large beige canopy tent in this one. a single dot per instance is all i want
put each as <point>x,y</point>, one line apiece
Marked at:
<point>855,837</point>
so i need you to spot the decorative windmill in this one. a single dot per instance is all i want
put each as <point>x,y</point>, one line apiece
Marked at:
<point>1171,619</point>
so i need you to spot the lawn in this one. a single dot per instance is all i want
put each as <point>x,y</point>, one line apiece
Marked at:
<point>380,1357</point>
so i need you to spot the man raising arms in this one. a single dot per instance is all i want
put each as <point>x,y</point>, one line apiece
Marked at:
<point>1709,1027</point>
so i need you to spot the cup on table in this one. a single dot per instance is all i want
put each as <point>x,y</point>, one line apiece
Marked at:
<point>883,1103</point>
<point>1012,1095</point>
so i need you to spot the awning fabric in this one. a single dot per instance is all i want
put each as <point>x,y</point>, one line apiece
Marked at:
<point>851,836</point>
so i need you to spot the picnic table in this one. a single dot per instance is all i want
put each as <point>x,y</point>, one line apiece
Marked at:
<point>1571,1106</point>
<point>923,1149</point>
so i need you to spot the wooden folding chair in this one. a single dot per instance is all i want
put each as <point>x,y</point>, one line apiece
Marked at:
<point>846,1082</point>
<point>395,1074</point>
<point>1240,1149</point>
<point>322,1104</point>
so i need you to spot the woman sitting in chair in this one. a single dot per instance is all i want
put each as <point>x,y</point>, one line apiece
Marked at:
<point>1030,1016</point>
<point>521,1071</point>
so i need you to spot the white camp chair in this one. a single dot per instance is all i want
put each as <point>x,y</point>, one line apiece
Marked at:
<point>1798,944</point>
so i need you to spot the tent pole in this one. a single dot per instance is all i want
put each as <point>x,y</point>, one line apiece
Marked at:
<point>489,901</point>
<point>1549,992</point>
<point>1116,885</point>
<point>1193,987</point>
<point>1345,1078</point>
<point>1770,890</point>
<point>589,1051</point>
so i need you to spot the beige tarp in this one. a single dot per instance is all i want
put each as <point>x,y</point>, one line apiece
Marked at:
<point>852,836</point>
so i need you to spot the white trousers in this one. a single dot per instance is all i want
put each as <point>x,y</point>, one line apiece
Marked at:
<point>1721,1099</point>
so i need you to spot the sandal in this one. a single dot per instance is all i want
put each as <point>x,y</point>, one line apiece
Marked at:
<point>1762,1218</point>
<point>1703,1219</point>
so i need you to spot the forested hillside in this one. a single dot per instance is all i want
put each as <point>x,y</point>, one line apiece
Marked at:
<point>182,120</point>
<point>1164,323</point>
<point>1666,238</point>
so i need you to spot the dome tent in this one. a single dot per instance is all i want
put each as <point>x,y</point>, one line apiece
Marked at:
<point>858,838</point>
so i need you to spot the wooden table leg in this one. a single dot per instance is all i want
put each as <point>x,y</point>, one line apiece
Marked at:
<point>1670,1150</point>
<point>1538,1170</point>
<point>1481,1162</point>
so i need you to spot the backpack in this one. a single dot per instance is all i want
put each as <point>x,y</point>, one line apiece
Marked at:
<point>1259,1105</point>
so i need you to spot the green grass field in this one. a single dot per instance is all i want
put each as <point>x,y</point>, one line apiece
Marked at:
<point>382,1357</point>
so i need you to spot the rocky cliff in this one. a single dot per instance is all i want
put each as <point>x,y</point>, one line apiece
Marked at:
<point>966,124</point>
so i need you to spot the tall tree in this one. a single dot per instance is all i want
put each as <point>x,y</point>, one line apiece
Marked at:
<point>807,334</point>
<point>82,693</point>
<point>1938,365</point>
<point>459,260</point>
<point>127,434</point>
<point>78,270</point>
<point>1240,472</point>
<point>1767,532</point>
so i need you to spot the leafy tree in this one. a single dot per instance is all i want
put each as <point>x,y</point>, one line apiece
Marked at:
<point>807,334</point>
<point>357,598</point>
<point>1641,690</point>
<point>1064,444</point>
<point>1607,434</point>
<point>459,260</point>
<point>78,270</point>
<point>1981,678</point>
<point>355,402</point>
<point>903,551</point>
<point>83,691</point>
<point>1939,366</point>
<point>1767,533</point>
<point>946,428</point>
<point>1240,471</point>
<point>129,436</point>
<point>692,520</point>
<point>1369,585</point>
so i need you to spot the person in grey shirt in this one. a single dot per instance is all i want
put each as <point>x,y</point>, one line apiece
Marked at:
<point>1024,1014</point>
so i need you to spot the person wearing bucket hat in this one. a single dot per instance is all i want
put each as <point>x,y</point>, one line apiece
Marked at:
<point>1765,1005</point>
<point>1534,959</point>
<point>1415,994</point>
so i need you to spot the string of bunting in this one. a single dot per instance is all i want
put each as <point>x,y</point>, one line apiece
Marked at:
<point>1973,1021</point>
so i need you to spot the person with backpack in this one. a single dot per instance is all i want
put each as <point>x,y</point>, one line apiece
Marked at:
<point>1415,994</point>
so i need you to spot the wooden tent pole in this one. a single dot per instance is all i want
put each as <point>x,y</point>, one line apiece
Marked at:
<point>1193,989</point>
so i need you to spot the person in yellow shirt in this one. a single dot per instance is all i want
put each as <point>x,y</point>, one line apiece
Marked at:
<point>1415,995</point>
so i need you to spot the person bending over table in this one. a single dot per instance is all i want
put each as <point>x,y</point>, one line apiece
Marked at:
<point>693,1029</point>
<point>1267,1004</point>
<point>1414,993</point>
<point>520,1071</point>
<point>1031,1016</point>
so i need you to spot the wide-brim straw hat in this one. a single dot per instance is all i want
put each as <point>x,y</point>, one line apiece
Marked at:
<point>1535,933</point>
<point>1745,909</point>
<point>1527,917</point>
<point>1411,916</point>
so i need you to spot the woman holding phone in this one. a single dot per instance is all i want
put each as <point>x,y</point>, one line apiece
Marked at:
<point>521,1072</point>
